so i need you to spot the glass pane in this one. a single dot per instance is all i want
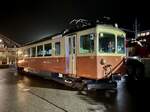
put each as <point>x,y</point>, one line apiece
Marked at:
<point>57,48</point>
<point>87,43</point>
<point>48,49</point>
<point>33,51</point>
<point>28,52</point>
<point>106,43</point>
<point>70,46</point>
<point>40,50</point>
<point>74,47</point>
<point>120,45</point>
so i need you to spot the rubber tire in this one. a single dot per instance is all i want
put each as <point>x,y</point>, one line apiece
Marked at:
<point>135,73</point>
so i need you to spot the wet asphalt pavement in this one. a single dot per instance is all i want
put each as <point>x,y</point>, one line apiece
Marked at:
<point>28,93</point>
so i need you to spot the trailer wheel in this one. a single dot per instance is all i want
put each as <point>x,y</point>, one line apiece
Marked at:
<point>139,73</point>
<point>135,72</point>
<point>130,71</point>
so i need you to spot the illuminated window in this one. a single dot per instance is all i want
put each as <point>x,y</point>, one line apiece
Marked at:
<point>138,35</point>
<point>147,33</point>
<point>107,43</point>
<point>120,45</point>
<point>57,48</point>
<point>27,52</point>
<point>48,49</point>
<point>33,50</point>
<point>40,50</point>
<point>142,34</point>
<point>1,44</point>
<point>87,43</point>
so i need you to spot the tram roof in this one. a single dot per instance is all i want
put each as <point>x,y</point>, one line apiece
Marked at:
<point>53,35</point>
<point>68,31</point>
<point>42,39</point>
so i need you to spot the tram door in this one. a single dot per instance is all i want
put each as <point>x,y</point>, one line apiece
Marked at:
<point>71,52</point>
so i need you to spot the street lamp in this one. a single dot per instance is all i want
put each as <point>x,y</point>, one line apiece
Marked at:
<point>1,40</point>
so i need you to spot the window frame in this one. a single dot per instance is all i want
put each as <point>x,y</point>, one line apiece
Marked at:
<point>121,36</point>
<point>114,35</point>
<point>59,48</point>
<point>32,51</point>
<point>93,49</point>
<point>42,50</point>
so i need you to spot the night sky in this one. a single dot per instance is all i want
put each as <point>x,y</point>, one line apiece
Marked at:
<point>28,20</point>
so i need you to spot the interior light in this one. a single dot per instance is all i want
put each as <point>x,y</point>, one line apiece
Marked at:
<point>101,35</point>
<point>138,35</point>
<point>142,34</point>
<point>147,33</point>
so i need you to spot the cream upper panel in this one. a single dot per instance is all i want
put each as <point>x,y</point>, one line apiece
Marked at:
<point>109,29</point>
<point>57,38</point>
<point>85,32</point>
<point>81,33</point>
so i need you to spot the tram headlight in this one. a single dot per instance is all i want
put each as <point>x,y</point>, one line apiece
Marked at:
<point>102,61</point>
<point>21,61</point>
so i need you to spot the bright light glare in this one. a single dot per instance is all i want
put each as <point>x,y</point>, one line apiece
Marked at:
<point>20,52</point>
<point>147,33</point>
<point>101,34</point>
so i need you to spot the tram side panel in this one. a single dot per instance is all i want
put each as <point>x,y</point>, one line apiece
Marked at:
<point>45,64</point>
<point>87,67</point>
<point>114,65</point>
<point>52,64</point>
<point>86,60</point>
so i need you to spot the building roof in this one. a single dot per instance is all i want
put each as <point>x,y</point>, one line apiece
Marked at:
<point>42,39</point>
<point>7,42</point>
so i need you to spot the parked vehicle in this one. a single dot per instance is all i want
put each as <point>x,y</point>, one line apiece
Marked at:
<point>87,57</point>
<point>138,61</point>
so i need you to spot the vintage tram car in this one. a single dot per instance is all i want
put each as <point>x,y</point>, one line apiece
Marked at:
<point>87,56</point>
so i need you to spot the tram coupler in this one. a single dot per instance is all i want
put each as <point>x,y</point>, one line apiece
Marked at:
<point>101,85</point>
<point>116,78</point>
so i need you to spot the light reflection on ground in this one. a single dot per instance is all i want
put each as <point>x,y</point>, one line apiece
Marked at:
<point>27,93</point>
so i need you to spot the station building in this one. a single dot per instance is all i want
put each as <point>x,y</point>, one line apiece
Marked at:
<point>144,36</point>
<point>8,50</point>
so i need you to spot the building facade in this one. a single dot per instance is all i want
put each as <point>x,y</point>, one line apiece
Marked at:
<point>8,50</point>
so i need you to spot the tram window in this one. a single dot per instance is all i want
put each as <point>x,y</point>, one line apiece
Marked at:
<point>87,43</point>
<point>20,53</point>
<point>33,52</point>
<point>28,52</point>
<point>57,48</point>
<point>48,49</point>
<point>106,43</point>
<point>40,50</point>
<point>120,45</point>
<point>70,46</point>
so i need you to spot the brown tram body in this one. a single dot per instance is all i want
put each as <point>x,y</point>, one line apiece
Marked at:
<point>79,54</point>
